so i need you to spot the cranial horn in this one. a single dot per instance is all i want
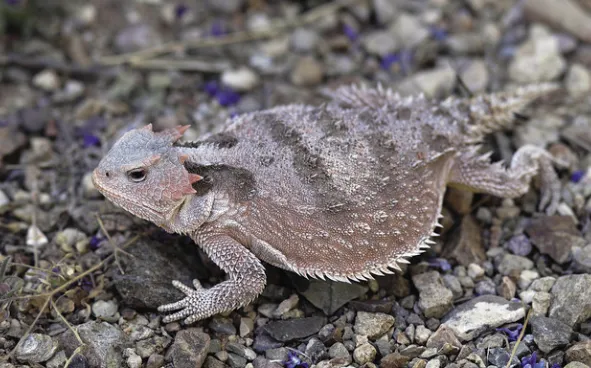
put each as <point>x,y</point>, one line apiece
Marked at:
<point>194,178</point>
<point>148,127</point>
<point>175,133</point>
<point>183,157</point>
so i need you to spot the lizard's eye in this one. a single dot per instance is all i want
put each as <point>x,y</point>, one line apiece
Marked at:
<point>137,175</point>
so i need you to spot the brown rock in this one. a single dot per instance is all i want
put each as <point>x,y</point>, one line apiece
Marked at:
<point>507,288</point>
<point>394,360</point>
<point>555,236</point>
<point>465,245</point>
<point>579,352</point>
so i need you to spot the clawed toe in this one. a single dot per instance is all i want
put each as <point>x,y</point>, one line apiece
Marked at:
<point>188,306</point>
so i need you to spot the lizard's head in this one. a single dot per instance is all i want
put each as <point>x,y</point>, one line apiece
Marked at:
<point>144,174</point>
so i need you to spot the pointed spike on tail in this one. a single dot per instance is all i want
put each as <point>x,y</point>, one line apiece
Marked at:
<point>148,127</point>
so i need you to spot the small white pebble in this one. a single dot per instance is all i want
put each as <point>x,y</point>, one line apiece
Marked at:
<point>3,199</point>
<point>242,79</point>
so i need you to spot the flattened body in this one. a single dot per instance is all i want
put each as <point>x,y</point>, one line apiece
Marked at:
<point>333,191</point>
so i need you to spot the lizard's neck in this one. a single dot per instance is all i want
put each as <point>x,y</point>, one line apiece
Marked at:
<point>191,214</point>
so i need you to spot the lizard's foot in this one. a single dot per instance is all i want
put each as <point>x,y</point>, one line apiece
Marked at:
<point>191,306</point>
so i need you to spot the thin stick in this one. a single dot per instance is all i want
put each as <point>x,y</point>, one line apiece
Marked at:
<point>514,351</point>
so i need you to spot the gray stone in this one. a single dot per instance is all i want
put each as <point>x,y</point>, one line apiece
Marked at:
<point>550,333</point>
<point>538,59</point>
<point>328,296</point>
<point>512,263</point>
<point>571,299</point>
<point>579,352</point>
<point>36,348</point>
<point>578,81</point>
<point>555,236</point>
<point>566,14</point>
<point>136,37</point>
<point>307,71</point>
<point>480,314</point>
<point>105,343</point>
<point>190,348</point>
<point>499,357</point>
<point>373,325</point>
<point>519,245</point>
<point>380,43</point>
<point>408,30</point>
<point>294,329</point>
<point>476,76</point>
<point>435,300</point>
<point>433,83</point>
<point>226,6</point>
<point>304,39</point>
<point>364,353</point>
<point>240,79</point>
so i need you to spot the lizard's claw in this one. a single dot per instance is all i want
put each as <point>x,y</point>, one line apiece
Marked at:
<point>189,306</point>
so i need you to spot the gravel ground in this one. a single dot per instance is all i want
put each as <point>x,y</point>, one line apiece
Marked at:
<point>80,279</point>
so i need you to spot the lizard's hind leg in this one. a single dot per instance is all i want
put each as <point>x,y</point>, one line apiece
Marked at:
<point>476,173</point>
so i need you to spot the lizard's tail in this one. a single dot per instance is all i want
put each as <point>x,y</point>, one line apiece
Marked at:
<point>498,111</point>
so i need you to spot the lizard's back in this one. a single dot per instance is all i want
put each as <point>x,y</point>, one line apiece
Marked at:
<point>337,192</point>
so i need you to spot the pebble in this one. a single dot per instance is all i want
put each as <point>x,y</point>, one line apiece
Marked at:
<point>566,15</point>
<point>294,329</point>
<point>453,284</point>
<point>476,76</point>
<point>286,305</point>
<point>579,352</point>
<point>422,334</point>
<point>241,79</point>
<point>57,361</point>
<point>373,325</point>
<point>72,238</point>
<point>555,236</point>
<point>190,348</point>
<point>507,288</point>
<point>538,59</point>
<point>571,299</point>
<point>104,342</point>
<point>475,272</point>
<point>435,300</point>
<point>466,243</point>
<point>246,326</point>
<point>526,277</point>
<point>519,245</point>
<point>380,43</point>
<point>4,200</point>
<point>512,263</point>
<point>71,92</point>
<point>241,350</point>
<point>499,357</point>
<point>480,314</point>
<point>364,353</point>
<point>329,296</point>
<point>433,83</point>
<point>36,348</point>
<point>408,30</point>
<point>543,284</point>
<point>304,39</point>
<point>307,72</point>
<point>578,81</point>
<point>226,6</point>
<point>338,350</point>
<point>46,80</point>
<point>136,37</point>
<point>444,335</point>
<point>541,303</point>
<point>549,333</point>
<point>104,309</point>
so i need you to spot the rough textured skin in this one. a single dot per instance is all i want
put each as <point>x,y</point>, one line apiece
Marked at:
<point>345,190</point>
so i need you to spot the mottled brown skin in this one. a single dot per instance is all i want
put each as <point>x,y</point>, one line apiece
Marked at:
<point>345,190</point>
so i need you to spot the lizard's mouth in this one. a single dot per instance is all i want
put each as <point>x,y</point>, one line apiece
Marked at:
<point>121,199</point>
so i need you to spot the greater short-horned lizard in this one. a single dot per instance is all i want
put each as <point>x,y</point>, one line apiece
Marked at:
<point>343,191</point>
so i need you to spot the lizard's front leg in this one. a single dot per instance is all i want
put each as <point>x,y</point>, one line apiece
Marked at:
<point>246,280</point>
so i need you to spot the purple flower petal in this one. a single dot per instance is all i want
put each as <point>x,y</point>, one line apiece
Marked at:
<point>180,10</point>
<point>439,34</point>
<point>577,176</point>
<point>512,332</point>
<point>389,60</point>
<point>227,97</point>
<point>350,32</point>
<point>217,29</point>
<point>90,140</point>
<point>211,88</point>
<point>95,242</point>
<point>440,263</point>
